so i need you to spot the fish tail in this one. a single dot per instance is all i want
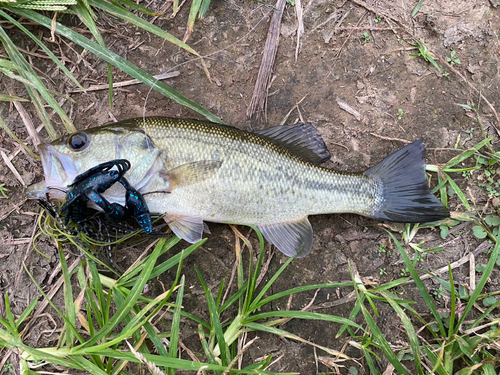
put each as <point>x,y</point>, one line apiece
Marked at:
<point>405,194</point>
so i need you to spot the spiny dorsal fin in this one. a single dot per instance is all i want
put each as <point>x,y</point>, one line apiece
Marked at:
<point>302,139</point>
<point>190,173</point>
<point>289,238</point>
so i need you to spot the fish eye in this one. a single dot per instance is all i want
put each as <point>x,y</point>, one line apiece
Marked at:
<point>78,141</point>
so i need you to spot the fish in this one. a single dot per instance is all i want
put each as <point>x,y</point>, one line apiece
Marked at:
<point>193,171</point>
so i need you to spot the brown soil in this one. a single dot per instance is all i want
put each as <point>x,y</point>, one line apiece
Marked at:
<point>339,60</point>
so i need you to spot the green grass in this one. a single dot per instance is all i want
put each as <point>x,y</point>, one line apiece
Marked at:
<point>437,341</point>
<point>107,317</point>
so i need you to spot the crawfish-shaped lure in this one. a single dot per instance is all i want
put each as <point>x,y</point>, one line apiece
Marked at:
<point>89,186</point>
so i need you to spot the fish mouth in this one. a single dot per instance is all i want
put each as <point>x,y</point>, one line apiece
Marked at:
<point>59,171</point>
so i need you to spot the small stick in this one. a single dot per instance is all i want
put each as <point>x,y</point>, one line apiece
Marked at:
<point>391,139</point>
<point>346,107</point>
<point>291,110</point>
<point>374,28</point>
<point>300,26</point>
<point>28,123</point>
<point>239,355</point>
<point>12,168</point>
<point>466,258</point>
<point>259,97</point>
<point>128,83</point>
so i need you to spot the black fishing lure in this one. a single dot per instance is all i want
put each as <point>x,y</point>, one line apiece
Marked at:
<point>89,186</point>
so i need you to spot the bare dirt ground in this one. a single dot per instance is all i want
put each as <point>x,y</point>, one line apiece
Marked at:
<point>340,59</point>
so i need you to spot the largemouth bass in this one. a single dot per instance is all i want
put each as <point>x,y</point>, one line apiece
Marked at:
<point>193,171</point>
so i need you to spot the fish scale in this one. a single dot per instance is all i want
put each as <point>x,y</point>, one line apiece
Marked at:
<point>194,171</point>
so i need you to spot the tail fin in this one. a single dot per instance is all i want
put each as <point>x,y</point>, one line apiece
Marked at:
<point>406,195</point>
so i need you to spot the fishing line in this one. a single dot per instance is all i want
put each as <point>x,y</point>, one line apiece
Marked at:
<point>202,57</point>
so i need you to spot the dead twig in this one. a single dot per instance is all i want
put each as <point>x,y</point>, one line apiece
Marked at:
<point>291,110</point>
<point>28,124</point>
<point>130,82</point>
<point>346,107</point>
<point>259,96</point>
<point>300,25</point>
<point>374,28</point>
<point>12,168</point>
<point>391,139</point>
<point>239,355</point>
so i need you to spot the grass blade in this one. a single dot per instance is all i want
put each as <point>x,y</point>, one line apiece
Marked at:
<point>255,302</point>
<point>410,330</point>
<point>420,285</point>
<point>288,335</point>
<point>215,322</point>
<point>301,315</point>
<point>417,8</point>
<point>27,72</point>
<point>468,153</point>
<point>97,288</point>
<point>133,19</point>
<point>453,303</point>
<point>206,348</point>
<point>125,309</point>
<point>459,192</point>
<point>204,7</point>
<point>435,361</point>
<point>379,337</point>
<point>18,141</point>
<point>480,285</point>
<point>193,12</point>
<point>43,47</point>
<point>26,312</point>
<point>83,12</point>
<point>173,261</point>
<point>59,312</point>
<point>69,306</point>
<point>176,320</point>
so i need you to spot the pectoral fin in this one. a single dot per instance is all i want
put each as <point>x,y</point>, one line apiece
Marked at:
<point>188,228</point>
<point>303,140</point>
<point>290,238</point>
<point>190,173</point>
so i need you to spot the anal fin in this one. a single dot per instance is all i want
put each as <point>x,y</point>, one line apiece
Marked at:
<point>291,237</point>
<point>188,228</point>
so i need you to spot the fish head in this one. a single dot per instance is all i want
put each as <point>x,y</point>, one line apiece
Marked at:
<point>69,156</point>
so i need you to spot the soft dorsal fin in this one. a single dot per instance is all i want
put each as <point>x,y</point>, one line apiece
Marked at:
<point>190,173</point>
<point>289,238</point>
<point>302,139</point>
